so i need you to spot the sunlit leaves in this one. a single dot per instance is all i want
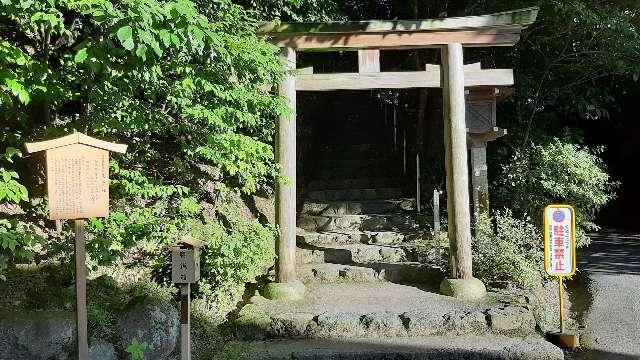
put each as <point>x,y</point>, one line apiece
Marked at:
<point>81,55</point>
<point>182,84</point>
<point>125,35</point>
<point>11,190</point>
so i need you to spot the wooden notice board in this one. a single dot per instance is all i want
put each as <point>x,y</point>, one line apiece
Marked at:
<point>78,182</point>
<point>78,188</point>
<point>77,175</point>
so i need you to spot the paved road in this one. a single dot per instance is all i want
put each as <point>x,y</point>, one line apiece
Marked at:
<point>611,269</point>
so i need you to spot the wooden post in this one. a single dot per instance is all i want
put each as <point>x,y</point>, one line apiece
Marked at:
<point>422,110</point>
<point>286,157</point>
<point>81,291</point>
<point>418,197</point>
<point>479,180</point>
<point>185,322</point>
<point>436,225</point>
<point>457,172</point>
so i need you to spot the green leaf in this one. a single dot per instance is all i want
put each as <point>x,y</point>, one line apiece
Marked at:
<point>10,153</point>
<point>141,51</point>
<point>125,35</point>
<point>165,36</point>
<point>81,56</point>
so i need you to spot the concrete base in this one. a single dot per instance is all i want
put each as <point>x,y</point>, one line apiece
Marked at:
<point>465,289</point>
<point>564,340</point>
<point>284,291</point>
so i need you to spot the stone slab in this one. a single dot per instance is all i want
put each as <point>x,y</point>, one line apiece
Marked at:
<point>420,348</point>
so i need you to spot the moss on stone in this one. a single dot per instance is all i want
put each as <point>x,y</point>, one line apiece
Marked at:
<point>464,289</point>
<point>284,291</point>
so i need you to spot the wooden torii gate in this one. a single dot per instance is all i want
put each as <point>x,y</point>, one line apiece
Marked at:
<point>450,35</point>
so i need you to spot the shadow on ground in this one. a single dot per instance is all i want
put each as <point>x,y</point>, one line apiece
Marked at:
<point>431,348</point>
<point>612,252</point>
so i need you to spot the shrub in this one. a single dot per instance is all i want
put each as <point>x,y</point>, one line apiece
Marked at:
<point>16,238</point>
<point>508,249</point>
<point>236,252</point>
<point>556,172</point>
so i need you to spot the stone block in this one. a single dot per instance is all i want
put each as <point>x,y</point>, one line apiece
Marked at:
<point>326,273</point>
<point>421,323</point>
<point>102,350</point>
<point>358,274</point>
<point>34,335</point>
<point>383,325</point>
<point>291,325</point>
<point>366,254</point>
<point>151,320</point>
<point>338,325</point>
<point>466,323</point>
<point>512,321</point>
<point>390,254</point>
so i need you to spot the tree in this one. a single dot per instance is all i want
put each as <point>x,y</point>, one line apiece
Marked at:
<point>186,86</point>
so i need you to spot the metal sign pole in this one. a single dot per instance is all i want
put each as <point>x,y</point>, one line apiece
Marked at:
<point>560,261</point>
<point>81,291</point>
<point>561,291</point>
<point>185,322</point>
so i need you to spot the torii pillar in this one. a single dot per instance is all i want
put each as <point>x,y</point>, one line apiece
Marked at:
<point>287,286</point>
<point>462,284</point>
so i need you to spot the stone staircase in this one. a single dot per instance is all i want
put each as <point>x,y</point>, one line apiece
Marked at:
<point>371,291</point>
<point>358,222</point>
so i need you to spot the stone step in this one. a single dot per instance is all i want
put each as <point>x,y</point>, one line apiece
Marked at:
<point>355,253</point>
<point>355,194</point>
<point>382,310</point>
<point>356,183</point>
<point>390,222</point>
<point>330,208</point>
<point>358,171</point>
<point>353,237</point>
<point>487,347</point>
<point>403,272</point>
<point>347,149</point>
<point>375,157</point>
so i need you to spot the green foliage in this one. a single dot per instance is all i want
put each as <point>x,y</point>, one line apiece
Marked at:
<point>136,349</point>
<point>149,215</point>
<point>182,83</point>
<point>10,189</point>
<point>294,10</point>
<point>17,240</point>
<point>571,65</point>
<point>236,252</point>
<point>556,172</point>
<point>508,249</point>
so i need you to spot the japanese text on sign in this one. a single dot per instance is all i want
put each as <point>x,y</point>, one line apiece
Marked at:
<point>78,182</point>
<point>559,223</point>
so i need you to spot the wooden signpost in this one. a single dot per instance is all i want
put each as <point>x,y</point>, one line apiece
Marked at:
<point>78,188</point>
<point>185,270</point>
<point>560,258</point>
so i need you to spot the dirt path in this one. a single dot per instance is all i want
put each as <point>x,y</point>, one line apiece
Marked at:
<point>611,274</point>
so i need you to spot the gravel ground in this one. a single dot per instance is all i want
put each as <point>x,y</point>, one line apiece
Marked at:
<point>371,297</point>
<point>611,268</point>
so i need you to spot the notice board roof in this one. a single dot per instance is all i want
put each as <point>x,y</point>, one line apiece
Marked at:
<point>485,30</point>
<point>75,138</point>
